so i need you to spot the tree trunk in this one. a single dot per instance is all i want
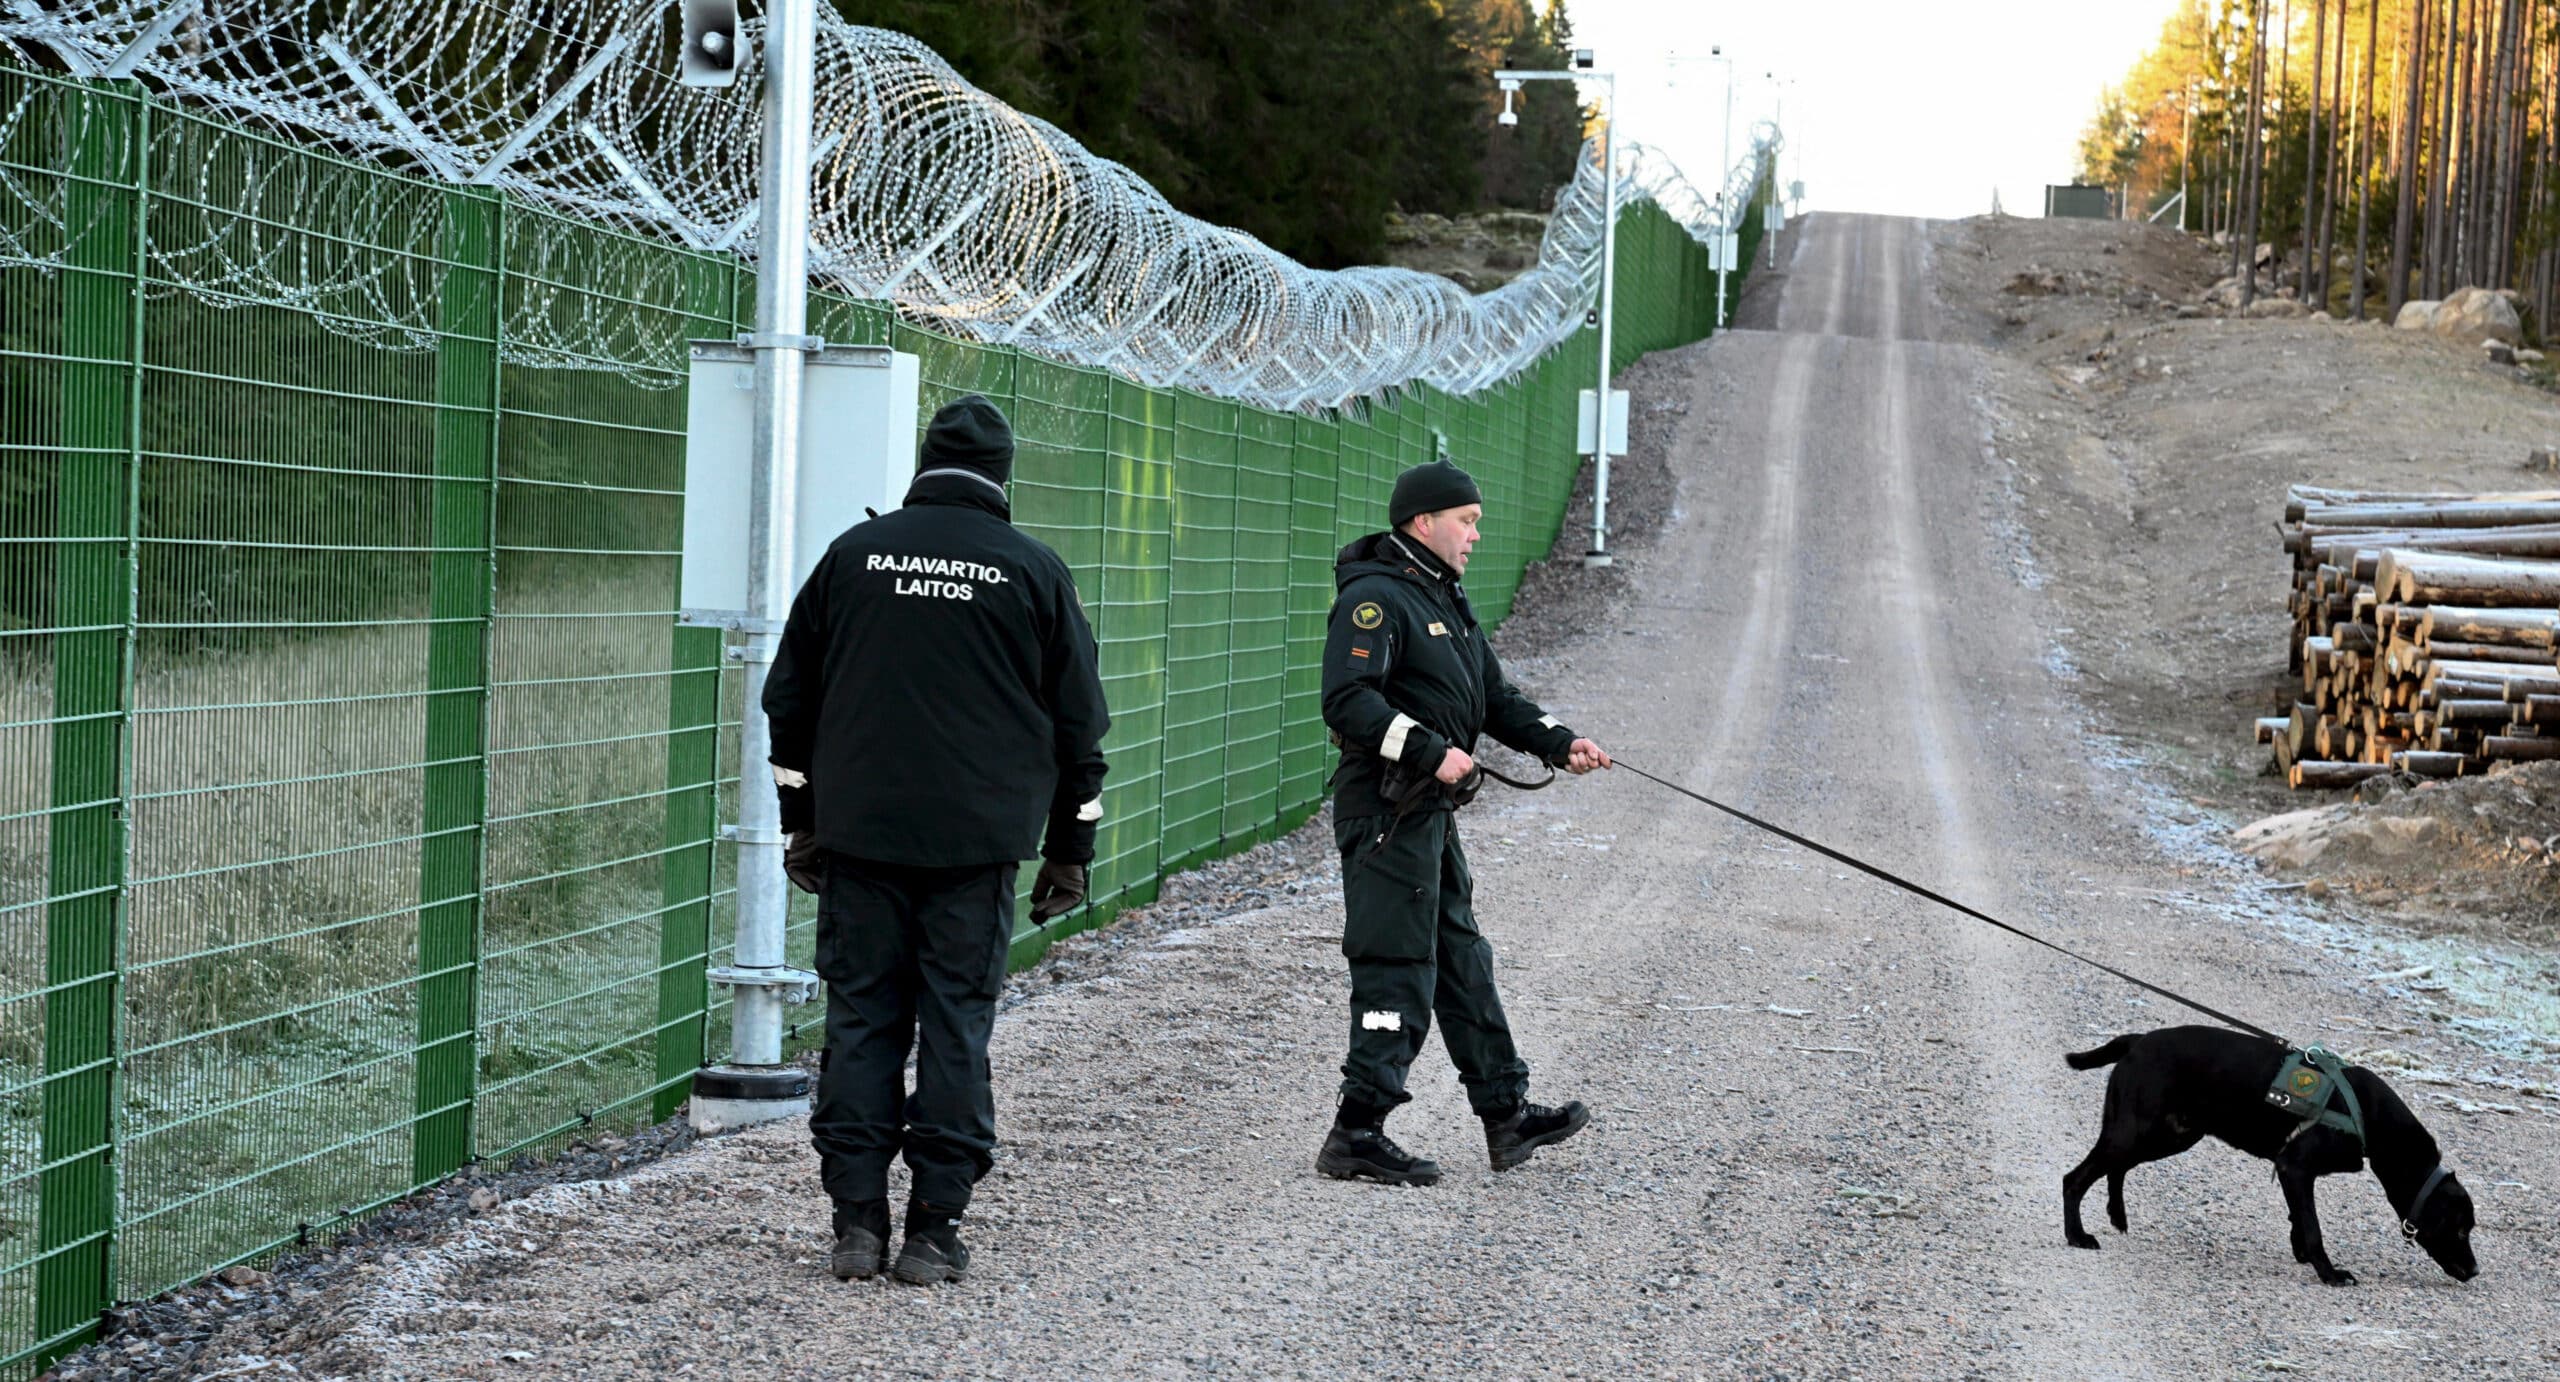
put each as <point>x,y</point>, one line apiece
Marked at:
<point>2403,211</point>
<point>2342,518</point>
<point>2548,88</point>
<point>2439,154</point>
<point>2342,116</point>
<point>2311,174</point>
<point>2244,243</point>
<point>2411,577</point>
<point>2523,628</point>
<point>2364,155</point>
<point>2509,748</point>
<point>2280,154</point>
<point>2326,774</point>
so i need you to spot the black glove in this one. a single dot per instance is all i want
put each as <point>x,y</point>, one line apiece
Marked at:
<point>1058,890</point>
<point>800,860</point>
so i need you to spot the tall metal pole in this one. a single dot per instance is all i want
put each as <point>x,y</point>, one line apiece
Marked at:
<point>1509,79</point>
<point>754,1086</point>
<point>1780,88</point>
<point>1724,170</point>
<point>1599,554</point>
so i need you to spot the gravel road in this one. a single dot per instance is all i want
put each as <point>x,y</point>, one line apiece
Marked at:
<point>1831,1121</point>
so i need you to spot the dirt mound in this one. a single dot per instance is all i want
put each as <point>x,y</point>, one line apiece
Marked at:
<point>2449,854</point>
<point>1993,270</point>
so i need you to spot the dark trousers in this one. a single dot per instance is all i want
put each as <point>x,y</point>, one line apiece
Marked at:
<point>1409,930</point>
<point>914,959</point>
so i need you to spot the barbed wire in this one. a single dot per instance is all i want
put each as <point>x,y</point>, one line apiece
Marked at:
<point>926,193</point>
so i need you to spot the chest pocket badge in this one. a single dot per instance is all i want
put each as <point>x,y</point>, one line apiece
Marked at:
<point>1368,616</point>
<point>1439,630</point>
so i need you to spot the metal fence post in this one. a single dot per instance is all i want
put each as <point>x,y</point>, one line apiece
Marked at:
<point>755,1086</point>
<point>459,605</point>
<point>92,699</point>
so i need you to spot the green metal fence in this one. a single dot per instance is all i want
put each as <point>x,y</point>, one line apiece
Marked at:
<point>358,789</point>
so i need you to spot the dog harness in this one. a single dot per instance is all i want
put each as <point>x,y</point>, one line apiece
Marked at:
<point>2304,1087</point>
<point>2310,1080</point>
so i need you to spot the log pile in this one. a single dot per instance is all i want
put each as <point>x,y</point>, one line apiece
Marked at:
<point>2425,628</point>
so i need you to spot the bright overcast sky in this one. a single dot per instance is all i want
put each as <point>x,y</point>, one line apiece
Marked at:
<point>1900,107</point>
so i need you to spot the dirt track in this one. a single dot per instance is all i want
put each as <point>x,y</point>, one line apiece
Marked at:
<point>1831,1122</point>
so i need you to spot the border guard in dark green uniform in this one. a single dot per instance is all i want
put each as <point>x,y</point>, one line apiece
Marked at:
<point>1409,682</point>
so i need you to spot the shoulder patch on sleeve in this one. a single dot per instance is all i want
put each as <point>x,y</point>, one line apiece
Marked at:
<point>1368,615</point>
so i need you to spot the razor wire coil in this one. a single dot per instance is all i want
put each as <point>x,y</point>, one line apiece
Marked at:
<point>926,193</point>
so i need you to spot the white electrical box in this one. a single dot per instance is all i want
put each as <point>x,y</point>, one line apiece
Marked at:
<point>1773,218</point>
<point>857,451</point>
<point>1617,437</point>
<point>1725,252</point>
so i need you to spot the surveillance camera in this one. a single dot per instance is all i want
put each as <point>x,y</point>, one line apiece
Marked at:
<point>1582,57</point>
<point>1716,52</point>
<point>1506,118</point>
<point>1510,84</point>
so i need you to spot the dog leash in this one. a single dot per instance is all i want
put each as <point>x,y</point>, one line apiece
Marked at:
<point>1943,900</point>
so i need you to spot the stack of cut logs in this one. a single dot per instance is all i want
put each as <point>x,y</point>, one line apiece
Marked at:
<point>2424,630</point>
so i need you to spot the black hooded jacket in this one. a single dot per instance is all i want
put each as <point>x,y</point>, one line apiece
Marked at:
<point>937,689</point>
<point>1408,674</point>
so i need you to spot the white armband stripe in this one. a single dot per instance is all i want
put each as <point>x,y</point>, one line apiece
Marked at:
<point>1392,747</point>
<point>1090,811</point>
<point>1549,722</point>
<point>789,777</point>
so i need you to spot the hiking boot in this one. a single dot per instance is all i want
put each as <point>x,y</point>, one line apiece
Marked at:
<point>862,1241</point>
<point>1511,1137</point>
<point>933,1251</point>
<point>1369,1154</point>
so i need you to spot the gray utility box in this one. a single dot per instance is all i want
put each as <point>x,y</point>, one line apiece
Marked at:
<point>857,450</point>
<point>2079,201</point>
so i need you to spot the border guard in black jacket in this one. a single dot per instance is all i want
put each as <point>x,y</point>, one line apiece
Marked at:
<point>936,710</point>
<point>1409,682</point>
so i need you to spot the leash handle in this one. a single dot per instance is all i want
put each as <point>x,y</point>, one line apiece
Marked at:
<point>1950,903</point>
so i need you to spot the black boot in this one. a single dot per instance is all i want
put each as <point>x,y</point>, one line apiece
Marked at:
<point>933,1251</point>
<point>1358,1148</point>
<point>862,1240</point>
<point>1512,1136</point>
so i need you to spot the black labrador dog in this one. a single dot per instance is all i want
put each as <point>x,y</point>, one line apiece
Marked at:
<point>2172,1087</point>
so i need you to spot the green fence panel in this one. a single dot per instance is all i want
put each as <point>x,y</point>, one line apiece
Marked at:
<point>1062,433</point>
<point>1197,643</point>
<point>1132,629</point>
<point>1307,757</point>
<point>285,659</point>
<point>688,860</point>
<point>1258,628</point>
<point>574,969</point>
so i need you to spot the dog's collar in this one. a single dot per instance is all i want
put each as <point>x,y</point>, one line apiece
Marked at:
<point>2409,1225</point>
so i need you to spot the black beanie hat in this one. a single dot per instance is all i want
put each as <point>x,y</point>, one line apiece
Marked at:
<point>1430,488</point>
<point>968,434</point>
